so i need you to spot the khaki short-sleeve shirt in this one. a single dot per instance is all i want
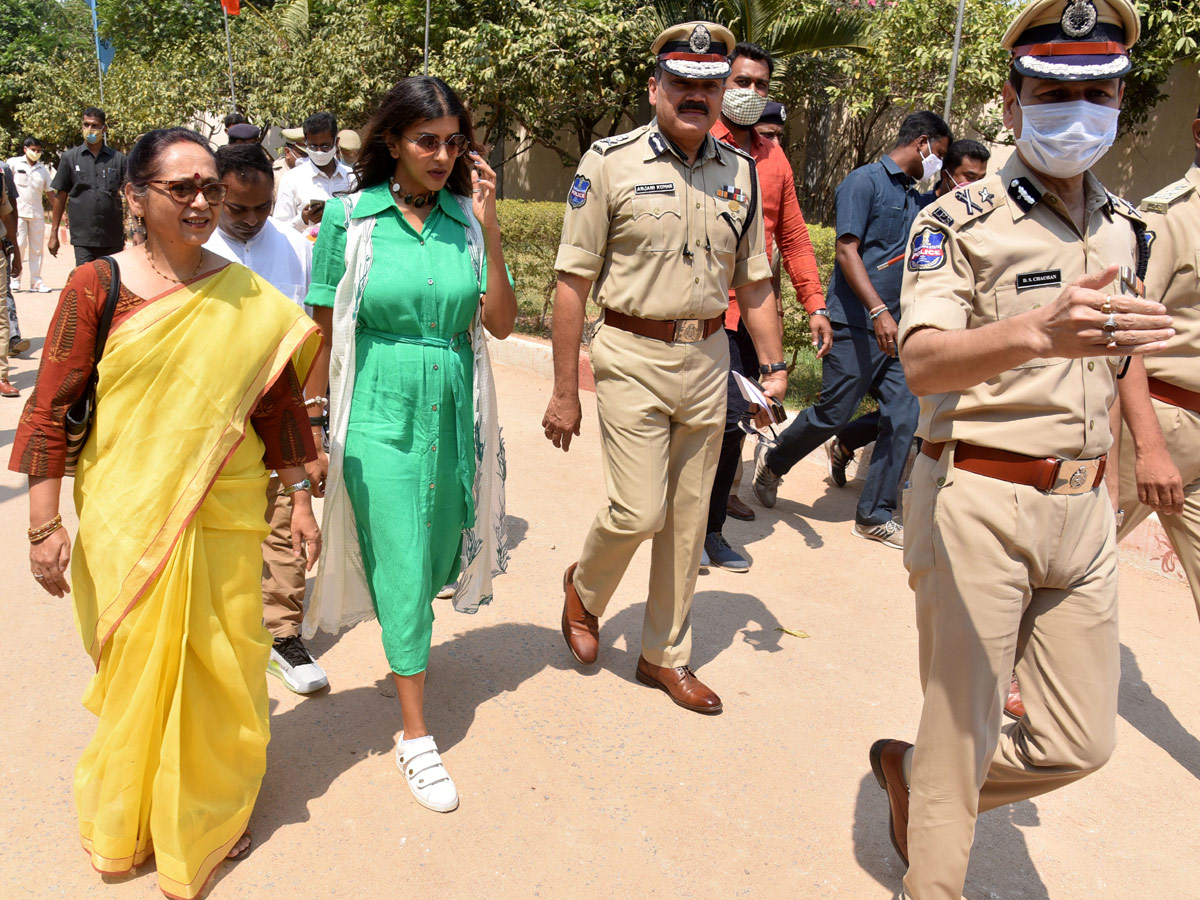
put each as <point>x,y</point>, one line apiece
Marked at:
<point>663,239</point>
<point>1173,279</point>
<point>996,248</point>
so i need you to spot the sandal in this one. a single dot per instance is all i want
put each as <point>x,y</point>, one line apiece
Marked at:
<point>244,852</point>
<point>427,778</point>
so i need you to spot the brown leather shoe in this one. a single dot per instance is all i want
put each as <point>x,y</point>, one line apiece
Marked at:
<point>1014,707</point>
<point>7,390</point>
<point>580,628</point>
<point>887,762</point>
<point>738,510</point>
<point>681,685</point>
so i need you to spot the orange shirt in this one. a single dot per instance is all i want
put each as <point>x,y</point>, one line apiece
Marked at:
<point>782,221</point>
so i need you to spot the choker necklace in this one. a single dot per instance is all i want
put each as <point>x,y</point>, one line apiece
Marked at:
<point>161,274</point>
<point>414,200</point>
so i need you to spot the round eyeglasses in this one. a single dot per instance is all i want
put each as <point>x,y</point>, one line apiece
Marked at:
<point>428,144</point>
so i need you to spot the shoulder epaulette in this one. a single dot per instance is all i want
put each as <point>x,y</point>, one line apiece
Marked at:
<point>1024,193</point>
<point>721,145</point>
<point>603,145</point>
<point>1122,207</point>
<point>1160,201</point>
<point>965,204</point>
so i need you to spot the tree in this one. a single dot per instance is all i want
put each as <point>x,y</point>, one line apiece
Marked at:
<point>567,73</point>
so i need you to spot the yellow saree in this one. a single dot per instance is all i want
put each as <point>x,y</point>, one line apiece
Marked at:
<point>170,492</point>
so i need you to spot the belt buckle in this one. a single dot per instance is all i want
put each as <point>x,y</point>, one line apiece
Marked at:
<point>1074,477</point>
<point>689,331</point>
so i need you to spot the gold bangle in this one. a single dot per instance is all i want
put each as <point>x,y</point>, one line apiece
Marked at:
<point>39,534</point>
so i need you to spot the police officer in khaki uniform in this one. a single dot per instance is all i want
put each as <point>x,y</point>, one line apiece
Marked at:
<point>664,221</point>
<point>1160,446</point>
<point>1014,322</point>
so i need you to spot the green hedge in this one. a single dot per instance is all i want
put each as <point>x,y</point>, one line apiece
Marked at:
<point>531,232</point>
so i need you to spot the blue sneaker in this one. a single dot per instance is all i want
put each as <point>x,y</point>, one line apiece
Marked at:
<point>720,554</point>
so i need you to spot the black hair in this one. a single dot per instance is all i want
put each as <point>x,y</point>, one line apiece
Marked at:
<point>31,142</point>
<point>754,52</point>
<point>922,124</point>
<point>94,112</point>
<point>964,148</point>
<point>319,122</point>
<point>243,160</point>
<point>235,118</point>
<point>413,100</point>
<point>141,166</point>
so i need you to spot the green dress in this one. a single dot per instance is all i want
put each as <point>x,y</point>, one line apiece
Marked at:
<point>410,453</point>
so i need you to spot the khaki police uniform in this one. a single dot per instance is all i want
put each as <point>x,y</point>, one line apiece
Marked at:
<point>1173,279</point>
<point>1003,571</point>
<point>662,240</point>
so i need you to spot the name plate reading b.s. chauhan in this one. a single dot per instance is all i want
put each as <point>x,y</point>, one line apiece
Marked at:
<point>1049,278</point>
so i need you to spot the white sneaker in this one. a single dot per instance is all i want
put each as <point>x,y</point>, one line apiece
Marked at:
<point>291,662</point>
<point>14,284</point>
<point>427,778</point>
<point>41,288</point>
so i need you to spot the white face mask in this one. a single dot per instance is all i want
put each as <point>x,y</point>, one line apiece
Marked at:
<point>743,106</point>
<point>321,157</point>
<point>1066,139</point>
<point>930,165</point>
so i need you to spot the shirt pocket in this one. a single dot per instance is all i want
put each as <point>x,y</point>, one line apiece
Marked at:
<point>658,221</point>
<point>889,226</point>
<point>1011,302</point>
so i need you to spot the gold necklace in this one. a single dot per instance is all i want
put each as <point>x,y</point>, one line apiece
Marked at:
<point>173,278</point>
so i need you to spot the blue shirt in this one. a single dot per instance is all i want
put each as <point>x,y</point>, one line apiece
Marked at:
<point>877,204</point>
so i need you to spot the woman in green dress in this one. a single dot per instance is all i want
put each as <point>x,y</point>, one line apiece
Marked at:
<point>402,269</point>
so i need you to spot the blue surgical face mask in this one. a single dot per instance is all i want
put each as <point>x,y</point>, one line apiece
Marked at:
<point>1066,139</point>
<point>92,137</point>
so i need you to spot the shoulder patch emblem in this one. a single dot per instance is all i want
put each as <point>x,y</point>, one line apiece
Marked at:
<point>1148,239</point>
<point>963,195</point>
<point>1023,193</point>
<point>942,216</point>
<point>579,191</point>
<point>928,250</point>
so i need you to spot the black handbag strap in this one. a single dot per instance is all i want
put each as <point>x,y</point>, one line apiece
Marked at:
<point>110,306</point>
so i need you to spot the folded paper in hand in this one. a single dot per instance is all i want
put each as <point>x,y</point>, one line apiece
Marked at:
<point>754,394</point>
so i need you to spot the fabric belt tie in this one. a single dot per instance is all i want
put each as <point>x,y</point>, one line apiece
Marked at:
<point>464,400</point>
<point>671,331</point>
<point>1048,474</point>
<point>1176,396</point>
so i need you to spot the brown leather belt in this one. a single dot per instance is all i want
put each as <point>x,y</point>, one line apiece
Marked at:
<point>1048,474</point>
<point>1176,396</point>
<point>673,331</point>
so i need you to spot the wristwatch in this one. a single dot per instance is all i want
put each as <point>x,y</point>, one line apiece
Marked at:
<point>773,367</point>
<point>820,312</point>
<point>304,485</point>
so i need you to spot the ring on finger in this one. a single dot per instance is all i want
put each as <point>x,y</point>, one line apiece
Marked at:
<point>40,577</point>
<point>1106,306</point>
<point>1110,324</point>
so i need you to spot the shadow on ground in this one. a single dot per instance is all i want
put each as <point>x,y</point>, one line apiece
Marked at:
<point>1139,707</point>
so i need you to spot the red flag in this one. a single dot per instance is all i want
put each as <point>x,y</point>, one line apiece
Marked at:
<point>232,7</point>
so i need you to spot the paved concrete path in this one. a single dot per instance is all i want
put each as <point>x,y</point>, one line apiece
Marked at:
<point>585,783</point>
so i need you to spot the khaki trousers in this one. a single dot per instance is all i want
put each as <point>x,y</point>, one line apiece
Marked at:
<point>1003,572</point>
<point>1181,429</point>
<point>283,581</point>
<point>662,413</point>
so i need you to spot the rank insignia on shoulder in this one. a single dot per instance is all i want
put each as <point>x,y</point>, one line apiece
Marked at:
<point>986,196</point>
<point>942,216</point>
<point>1160,201</point>
<point>964,196</point>
<point>1123,206</point>
<point>731,192</point>
<point>1023,193</point>
<point>928,250</point>
<point>579,191</point>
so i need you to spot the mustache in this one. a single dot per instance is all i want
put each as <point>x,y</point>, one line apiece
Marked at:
<point>697,105</point>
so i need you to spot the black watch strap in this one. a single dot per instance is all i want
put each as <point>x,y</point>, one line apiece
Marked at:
<point>773,367</point>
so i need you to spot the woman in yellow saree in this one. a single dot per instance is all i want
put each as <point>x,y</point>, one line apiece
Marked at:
<point>199,381</point>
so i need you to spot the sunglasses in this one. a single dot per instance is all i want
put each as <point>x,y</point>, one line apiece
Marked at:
<point>428,144</point>
<point>185,190</point>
